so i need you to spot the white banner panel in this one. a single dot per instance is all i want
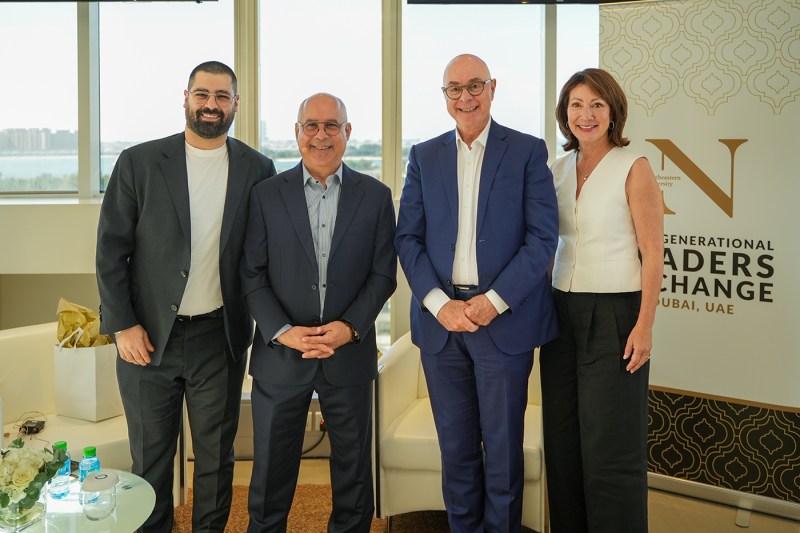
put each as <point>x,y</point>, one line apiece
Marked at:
<point>714,103</point>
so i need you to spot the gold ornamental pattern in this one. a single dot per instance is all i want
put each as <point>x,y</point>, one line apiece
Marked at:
<point>710,51</point>
<point>748,448</point>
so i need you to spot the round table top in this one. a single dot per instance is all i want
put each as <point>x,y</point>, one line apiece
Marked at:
<point>135,501</point>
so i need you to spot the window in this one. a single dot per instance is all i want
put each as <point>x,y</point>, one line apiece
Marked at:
<point>578,47</point>
<point>142,79</point>
<point>38,136</point>
<point>321,46</point>
<point>507,37</point>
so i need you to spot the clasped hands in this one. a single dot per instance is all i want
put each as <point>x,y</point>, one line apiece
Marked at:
<point>457,315</point>
<point>316,342</point>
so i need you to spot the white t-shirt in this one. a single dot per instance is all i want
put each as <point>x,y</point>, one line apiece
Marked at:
<point>208,182</point>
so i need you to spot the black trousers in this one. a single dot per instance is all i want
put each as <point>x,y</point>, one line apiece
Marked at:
<point>279,421</point>
<point>595,417</point>
<point>196,365</point>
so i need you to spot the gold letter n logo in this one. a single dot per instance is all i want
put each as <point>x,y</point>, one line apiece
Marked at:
<point>695,173</point>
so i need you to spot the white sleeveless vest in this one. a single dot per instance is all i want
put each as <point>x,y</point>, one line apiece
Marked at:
<point>597,249</point>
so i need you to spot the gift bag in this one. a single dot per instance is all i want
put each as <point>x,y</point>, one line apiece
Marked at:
<point>85,367</point>
<point>86,382</point>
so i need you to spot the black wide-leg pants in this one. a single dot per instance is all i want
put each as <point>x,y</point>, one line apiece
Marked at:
<point>595,417</point>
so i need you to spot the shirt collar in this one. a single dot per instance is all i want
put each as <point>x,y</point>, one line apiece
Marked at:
<point>336,176</point>
<point>481,139</point>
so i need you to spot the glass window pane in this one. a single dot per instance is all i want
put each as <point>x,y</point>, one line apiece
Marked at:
<point>507,37</point>
<point>578,42</point>
<point>147,50</point>
<point>321,46</point>
<point>39,132</point>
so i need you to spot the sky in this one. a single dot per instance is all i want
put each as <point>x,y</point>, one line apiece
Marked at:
<point>306,47</point>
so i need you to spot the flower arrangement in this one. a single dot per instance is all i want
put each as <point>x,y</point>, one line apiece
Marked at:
<point>24,473</point>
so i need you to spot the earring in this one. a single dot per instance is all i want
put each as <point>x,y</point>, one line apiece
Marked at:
<point>611,126</point>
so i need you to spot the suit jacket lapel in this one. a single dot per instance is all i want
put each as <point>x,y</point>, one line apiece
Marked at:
<point>238,167</point>
<point>177,179</point>
<point>349,198</point>
<point>448,169</point>
<point>496,146</point>
<point>294,198</point>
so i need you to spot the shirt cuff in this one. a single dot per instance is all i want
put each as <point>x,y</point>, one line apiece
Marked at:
<point>497,302</point>
<point>435,300</point>
<point>280,332</point>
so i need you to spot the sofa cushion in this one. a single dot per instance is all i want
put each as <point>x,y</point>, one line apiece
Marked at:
<point>411,443</point>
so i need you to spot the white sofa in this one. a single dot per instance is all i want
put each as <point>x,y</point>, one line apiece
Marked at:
<point>27,386</point>
<point>409,462</point>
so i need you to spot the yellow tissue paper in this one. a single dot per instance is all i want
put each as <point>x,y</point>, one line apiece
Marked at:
<point>79,325</point>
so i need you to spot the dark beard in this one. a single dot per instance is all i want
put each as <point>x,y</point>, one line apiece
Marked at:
<point>208,130</point>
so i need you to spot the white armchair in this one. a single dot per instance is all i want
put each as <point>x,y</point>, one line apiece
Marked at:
<point>409,469</point>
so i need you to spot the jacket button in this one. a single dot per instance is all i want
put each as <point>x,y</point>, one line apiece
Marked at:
<point>315,321</point>
<point>184,273</point>
<point>174,307</point>
<point>313,287</point>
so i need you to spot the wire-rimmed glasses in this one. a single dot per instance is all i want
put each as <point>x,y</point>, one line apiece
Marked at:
<point>311,127</point>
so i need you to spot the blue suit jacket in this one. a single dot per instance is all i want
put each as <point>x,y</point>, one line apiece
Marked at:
<point>517,233</point>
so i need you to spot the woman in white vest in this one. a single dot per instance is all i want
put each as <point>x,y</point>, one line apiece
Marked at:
<point>606,278</point>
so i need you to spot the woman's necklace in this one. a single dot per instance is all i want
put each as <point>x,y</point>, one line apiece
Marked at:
<point>582,166</point>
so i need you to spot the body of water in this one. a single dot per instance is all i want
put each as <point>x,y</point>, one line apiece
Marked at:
<point>33,166</point>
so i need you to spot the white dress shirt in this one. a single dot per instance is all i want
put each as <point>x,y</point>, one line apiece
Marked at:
<point>465,262</point>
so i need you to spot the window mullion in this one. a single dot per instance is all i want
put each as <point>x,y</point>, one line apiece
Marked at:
<point>88,99</point>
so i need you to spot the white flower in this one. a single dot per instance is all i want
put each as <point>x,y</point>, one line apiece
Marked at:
<point>19,467</point>
<point>23,475</point>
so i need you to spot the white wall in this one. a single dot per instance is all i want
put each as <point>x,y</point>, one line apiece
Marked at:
<point>47,252</point>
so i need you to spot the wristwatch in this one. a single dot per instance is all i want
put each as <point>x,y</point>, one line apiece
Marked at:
<point>354,336</point>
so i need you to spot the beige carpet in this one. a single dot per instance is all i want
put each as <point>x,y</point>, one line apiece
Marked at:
<point>309,514</point>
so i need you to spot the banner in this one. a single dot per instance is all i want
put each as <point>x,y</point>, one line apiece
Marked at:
<point>714,104</point>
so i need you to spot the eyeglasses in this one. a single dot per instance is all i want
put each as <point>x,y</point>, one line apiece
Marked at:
<point>311,127</point>
<point>201,97</point>
<point>475,88</point>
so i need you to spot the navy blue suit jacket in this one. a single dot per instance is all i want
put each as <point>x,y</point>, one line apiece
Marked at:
<point>517,233</point>
<point>280,278</point>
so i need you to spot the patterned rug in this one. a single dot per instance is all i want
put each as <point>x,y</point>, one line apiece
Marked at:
<point>309,514</point>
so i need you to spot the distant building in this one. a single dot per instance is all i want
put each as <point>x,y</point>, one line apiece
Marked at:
<point>32,140</point>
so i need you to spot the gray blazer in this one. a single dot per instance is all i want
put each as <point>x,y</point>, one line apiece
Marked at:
<point>144,237</point>
<point>280,275</point>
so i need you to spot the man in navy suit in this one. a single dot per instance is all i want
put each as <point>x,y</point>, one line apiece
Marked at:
<point>318,265</point>
<point>476,232</point>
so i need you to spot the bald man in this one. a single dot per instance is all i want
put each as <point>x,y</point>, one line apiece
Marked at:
<point>318,265</point>
<point>476,232</point>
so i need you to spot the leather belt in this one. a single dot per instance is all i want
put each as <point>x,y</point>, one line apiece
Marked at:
<point>465,292</point>
<point>216,313</point>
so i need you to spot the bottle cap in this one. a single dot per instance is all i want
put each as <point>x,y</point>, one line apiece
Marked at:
<point>102,480</point>
<point>89,451</point>
<point>62,444</point>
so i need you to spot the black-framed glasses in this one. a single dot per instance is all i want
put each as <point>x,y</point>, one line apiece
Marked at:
<point>311,127</point>
<point>475,88</point>
<point>200,97</point>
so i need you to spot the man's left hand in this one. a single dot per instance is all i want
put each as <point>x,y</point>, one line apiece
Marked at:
<point>334,334</point>
<point>480,310</point>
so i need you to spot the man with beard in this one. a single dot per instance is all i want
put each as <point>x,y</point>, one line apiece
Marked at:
<point>169,243</point>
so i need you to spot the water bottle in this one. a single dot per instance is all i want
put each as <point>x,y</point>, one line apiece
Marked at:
<point>90,463</point>
<point>59,485</point>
